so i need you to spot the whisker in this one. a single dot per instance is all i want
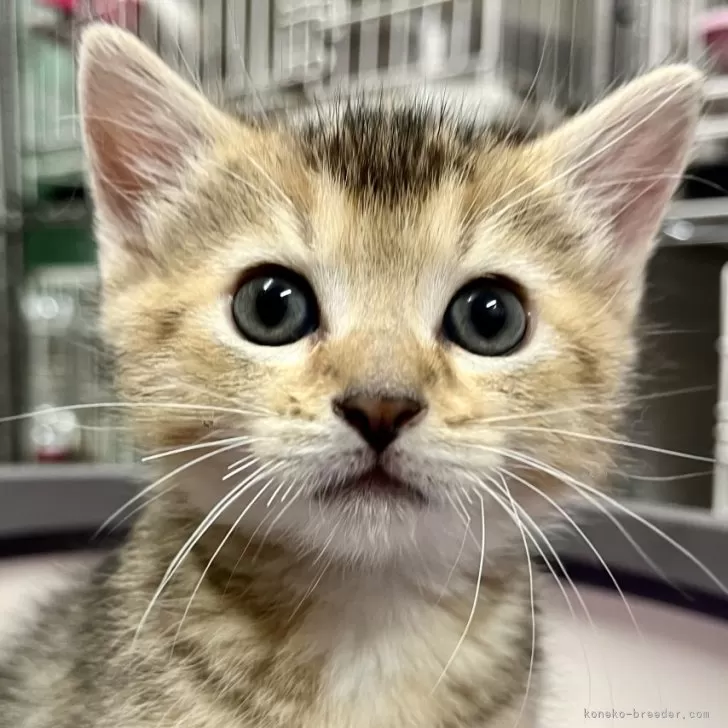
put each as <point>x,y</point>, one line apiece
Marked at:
<point>319,578</point>
<point>557,559</point>
<point>613,502</point>
<point>273,523</point>
<point>242,464</point>
<point>238,467</point>
<point>659,532</point>
<point>591,547</point>
<point>611,441</point>
<point>326,545</point>
<point>149,488</point>
<point>124,405</point>
<point>599,406</point>
<point>180,384</point>
<point>219,548</point>
<point>666,478</point>
<point>275,493</point>
<point>200,531</point>
<point>471,616</point>
<point>134,511</point>
<point>240,439</point>
<point>527,552</point>
<point>454,567</point>
<point>284,497</point>
<point>459,510</point>
<point>575,484</point>
<point>255,533</point>
<point>586,540</point>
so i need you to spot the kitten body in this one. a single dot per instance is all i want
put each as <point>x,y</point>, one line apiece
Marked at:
<point>300,575</point>
<point>259,650</point>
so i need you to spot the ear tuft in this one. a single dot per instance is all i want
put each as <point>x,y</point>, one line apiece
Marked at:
<point>623,158</point>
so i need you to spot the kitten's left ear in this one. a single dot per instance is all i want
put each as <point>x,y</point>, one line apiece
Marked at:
<point>622,160</point>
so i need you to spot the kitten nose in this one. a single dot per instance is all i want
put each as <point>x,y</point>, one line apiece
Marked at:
<point>378,419</point>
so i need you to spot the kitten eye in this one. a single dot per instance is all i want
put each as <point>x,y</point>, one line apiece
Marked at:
<point>275,307</point>
<point>486,317</point>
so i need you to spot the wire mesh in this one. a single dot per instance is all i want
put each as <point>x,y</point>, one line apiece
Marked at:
<point>262,54</point>
<point>70,369</point>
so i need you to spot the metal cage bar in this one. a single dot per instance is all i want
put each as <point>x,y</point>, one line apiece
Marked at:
<point>272,51</point>
<point>10,225</point>
<point>265,53</point>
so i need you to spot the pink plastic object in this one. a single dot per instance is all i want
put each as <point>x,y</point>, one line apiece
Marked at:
<point>714,30</point>
<point>66,6</point>
<point>118,12</point>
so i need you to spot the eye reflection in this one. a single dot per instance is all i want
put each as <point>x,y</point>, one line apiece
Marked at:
<point>486,317</point>
<point>275,307</point>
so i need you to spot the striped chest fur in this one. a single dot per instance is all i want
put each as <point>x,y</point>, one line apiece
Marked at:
<point>363,652</point>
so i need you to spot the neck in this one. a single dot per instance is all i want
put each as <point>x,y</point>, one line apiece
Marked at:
<point>353,646</point>
<point>289,583</point>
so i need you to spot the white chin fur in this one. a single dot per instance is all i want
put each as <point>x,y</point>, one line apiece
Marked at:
<point>366,532</point>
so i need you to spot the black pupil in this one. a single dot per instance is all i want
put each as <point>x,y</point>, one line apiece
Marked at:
<point>271,303</point>
<point>488,313</point>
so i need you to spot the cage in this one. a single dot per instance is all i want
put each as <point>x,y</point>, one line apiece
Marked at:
<point>70,369</point>
<point>270,52</point>
<point>264,54</point>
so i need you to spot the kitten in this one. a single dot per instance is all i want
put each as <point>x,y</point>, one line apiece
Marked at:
<point>403,340</point>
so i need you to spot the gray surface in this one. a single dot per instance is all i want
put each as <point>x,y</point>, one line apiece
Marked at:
<point>11,258</point>
<point>678,330</point>
<point>38,499</point>
<point>696,530</point>
<point>696,222</point>
<point>45,499</point>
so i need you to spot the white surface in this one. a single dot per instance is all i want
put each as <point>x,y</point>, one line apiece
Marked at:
<point>676,662</point>
<point>679,662</point>
<point>720,477</point>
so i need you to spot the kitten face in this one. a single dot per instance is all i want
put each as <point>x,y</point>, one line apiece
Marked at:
<point>410,319</point>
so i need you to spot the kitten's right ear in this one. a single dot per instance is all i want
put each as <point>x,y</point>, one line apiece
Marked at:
<point>142,126</point>
<point>622,161</point>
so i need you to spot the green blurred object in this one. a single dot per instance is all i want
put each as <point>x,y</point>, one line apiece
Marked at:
<point>58,245</point>
<point>56,227</point>
<point>50,130</point>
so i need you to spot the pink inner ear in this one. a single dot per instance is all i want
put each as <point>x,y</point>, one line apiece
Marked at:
<point>117,137</point>
<point>125,160</point>
<point>644,176</point>
<point>624,159</point>
<point>631,173</point>
<point>140,121</point>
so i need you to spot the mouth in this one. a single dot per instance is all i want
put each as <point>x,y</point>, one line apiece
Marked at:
<point>374,484</point>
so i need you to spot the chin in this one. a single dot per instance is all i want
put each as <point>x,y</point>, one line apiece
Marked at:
<point>365,517</point>
<point>375,532</point>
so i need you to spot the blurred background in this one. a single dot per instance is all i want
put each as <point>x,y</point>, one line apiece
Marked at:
<point>69,468</point>
<point>67,465</point>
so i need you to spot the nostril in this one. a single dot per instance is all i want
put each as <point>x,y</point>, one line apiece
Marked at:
<point>408,413</point>
<point>378,420</point>
<point>352,415</point>
<point>356,418</point>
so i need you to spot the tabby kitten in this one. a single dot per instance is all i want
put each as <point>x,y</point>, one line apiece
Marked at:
<point>375,348</point>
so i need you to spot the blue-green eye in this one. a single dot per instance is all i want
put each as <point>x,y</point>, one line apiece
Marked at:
<point>275,307</point>
<point>486,317</point>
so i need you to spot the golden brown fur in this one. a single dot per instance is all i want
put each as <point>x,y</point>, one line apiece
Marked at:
<point>289,611</point>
